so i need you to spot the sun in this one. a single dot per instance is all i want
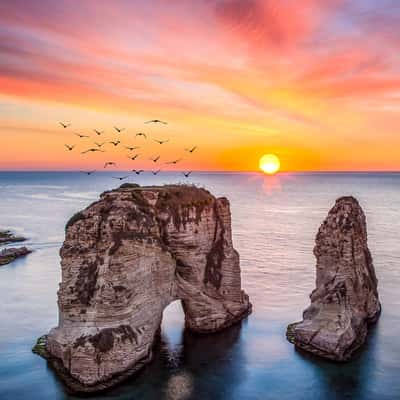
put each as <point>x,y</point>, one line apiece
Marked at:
<point>270,164</point>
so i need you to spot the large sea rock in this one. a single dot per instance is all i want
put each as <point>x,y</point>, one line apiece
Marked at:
<point>345,301</point>
<point>124,259</point>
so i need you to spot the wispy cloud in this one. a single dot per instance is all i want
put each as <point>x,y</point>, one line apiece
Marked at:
<point>303,70</point>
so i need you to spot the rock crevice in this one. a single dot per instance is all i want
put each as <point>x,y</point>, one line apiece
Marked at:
<point>124,259</point>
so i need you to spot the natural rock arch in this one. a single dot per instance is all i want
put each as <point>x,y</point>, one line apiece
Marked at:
<point>124,259</point>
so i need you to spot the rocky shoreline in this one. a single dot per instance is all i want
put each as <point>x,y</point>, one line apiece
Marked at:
<point>7,237</point>
<point>10,254</point>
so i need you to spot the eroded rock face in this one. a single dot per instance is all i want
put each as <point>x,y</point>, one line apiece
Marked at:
<point>345,300</point>
<point>124,259</point>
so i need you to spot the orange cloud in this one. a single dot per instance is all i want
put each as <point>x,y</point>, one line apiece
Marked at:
<point>310,80</point>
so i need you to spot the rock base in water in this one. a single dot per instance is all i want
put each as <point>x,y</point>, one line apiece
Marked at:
<point>73,385</point>
<point>345,300</point>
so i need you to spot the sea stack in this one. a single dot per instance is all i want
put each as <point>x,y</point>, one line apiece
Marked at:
<point>124,259</point>
<point>345,300</point>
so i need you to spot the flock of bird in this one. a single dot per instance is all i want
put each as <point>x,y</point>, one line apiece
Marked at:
<point>98,146</point>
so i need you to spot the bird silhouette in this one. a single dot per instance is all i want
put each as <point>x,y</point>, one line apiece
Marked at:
<point>64,125</point>
<point>137,171</point>
<point>98,132</point>
<point>174,161</point>
<point>81,136</point>
<point>119,130</point>
<point>109,163</point>
<point>142,134</point>
<point>134,157</point>
<point>154,159</point>
<point>88,172</point>
<point>115,143</point>
<point>155,121</point>
<point>92,150</point>
<point>69,147</point>
<point>192,149</point>
<point>187,174</point>
<point>161,141</point>
<point>156,172</point>
<point>132,148</point>
<point>100,144</point>
<point>120,177</point>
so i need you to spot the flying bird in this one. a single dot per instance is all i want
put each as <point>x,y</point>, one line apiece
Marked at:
<point>64,125</point>
<point>109,163</point>
<point>174,161</point>
<point>120,177</point>
<point>137,171</point>
<point>81,136</point>
<point>98,132</point>
<point>100,144</point>
<point>142,134</point>
<point>69,147</point>
<point>187,174</point>
<point>119,130</point>
<point>154,159</point>
<point>155,121</point>
<point>132,148</point>
<point>156,172</point>
<point>161,141</point>
<point>88,172</point>
<point>92,150</point>
<point>192,149</point>
<point>115,143</point>
<point>134,157</point>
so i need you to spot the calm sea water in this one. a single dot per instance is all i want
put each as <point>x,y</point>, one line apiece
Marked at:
<point>274,224</point>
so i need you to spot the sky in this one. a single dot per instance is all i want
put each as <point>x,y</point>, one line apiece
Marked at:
<point>316,82</point>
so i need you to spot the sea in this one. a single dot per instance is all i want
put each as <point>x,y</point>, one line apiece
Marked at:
<point>274,220</point>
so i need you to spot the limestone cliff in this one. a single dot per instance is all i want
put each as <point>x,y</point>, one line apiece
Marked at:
<point>346,299</point>
<point>124,259</point>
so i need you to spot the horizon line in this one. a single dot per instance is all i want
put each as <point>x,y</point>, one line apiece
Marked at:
<point>219,171</point>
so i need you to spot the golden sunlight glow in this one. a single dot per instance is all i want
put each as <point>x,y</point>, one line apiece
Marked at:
<point>270,164</point>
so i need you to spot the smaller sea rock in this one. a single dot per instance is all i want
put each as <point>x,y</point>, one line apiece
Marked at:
<point>9,255</point>
<point>345,300</point>
<point>7,237</point>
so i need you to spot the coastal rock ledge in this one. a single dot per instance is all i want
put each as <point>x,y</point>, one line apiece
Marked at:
<point>124,259</point>
<point>345,300</point>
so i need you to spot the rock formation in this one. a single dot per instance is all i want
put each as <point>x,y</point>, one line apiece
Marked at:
<point>10,254</point>
<point>345,300</point>
<point>7,237</point>
<point>124,259</point>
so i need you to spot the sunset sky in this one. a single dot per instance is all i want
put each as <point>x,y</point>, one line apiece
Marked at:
<point>316,82</point>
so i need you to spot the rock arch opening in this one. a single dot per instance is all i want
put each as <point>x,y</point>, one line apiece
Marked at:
<point>173,324</point>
